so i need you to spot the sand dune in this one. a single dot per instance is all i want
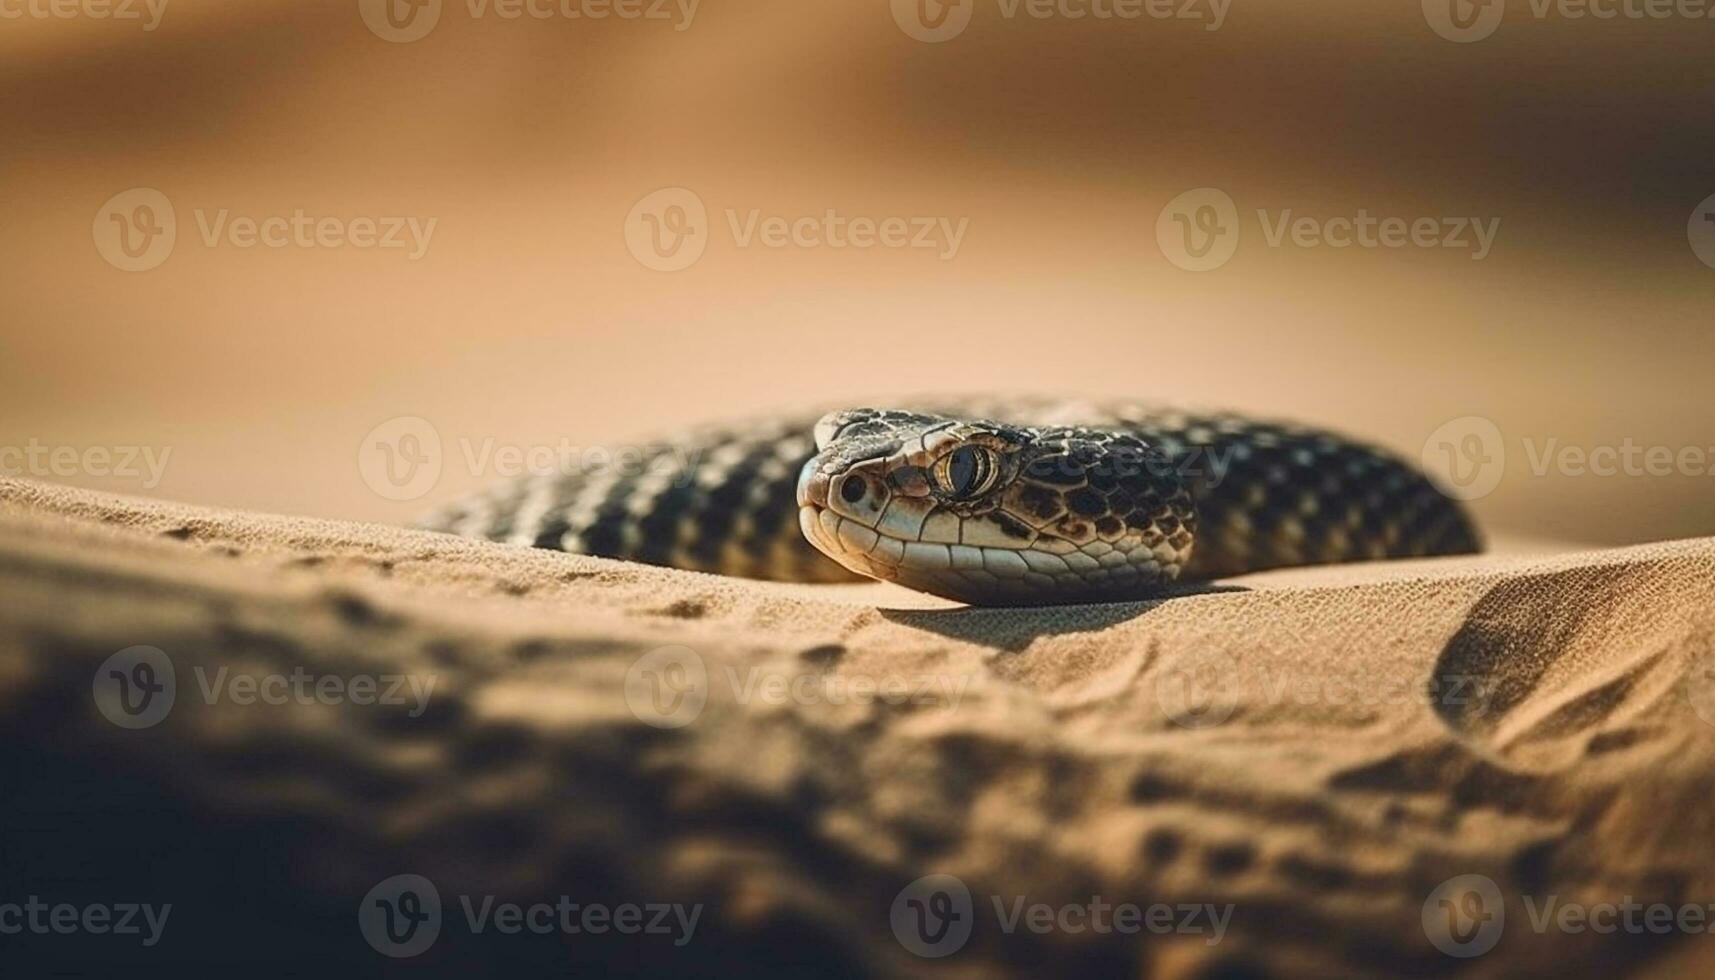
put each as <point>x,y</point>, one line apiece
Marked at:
<point>1315,751</point>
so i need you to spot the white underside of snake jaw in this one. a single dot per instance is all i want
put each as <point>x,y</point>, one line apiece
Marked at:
<point>1050,570</point>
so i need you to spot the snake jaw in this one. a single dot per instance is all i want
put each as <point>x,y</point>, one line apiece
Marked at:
<point>1072,514</point>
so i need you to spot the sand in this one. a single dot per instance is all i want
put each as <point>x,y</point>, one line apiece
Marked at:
<point>1302,757</point>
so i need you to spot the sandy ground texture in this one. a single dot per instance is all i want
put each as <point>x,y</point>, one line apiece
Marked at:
<point>1295,763</point>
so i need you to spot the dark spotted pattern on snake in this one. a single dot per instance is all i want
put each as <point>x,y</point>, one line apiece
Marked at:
<point>1020,502</point>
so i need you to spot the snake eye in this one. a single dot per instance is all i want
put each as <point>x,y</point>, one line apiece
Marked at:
<point>965,472</point>
<point>854,489</point>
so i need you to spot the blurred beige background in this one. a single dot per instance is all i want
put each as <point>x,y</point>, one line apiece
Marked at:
<point>1056,142</point>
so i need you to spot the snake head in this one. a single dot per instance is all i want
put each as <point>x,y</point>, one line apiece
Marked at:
<point>995,514</point>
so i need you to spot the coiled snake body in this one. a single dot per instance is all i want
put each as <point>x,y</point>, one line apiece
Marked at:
<point>999,503</point>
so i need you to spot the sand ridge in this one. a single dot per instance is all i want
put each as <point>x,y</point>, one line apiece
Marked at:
<point>1316,749</point>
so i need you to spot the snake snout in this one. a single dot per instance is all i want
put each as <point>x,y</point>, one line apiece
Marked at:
<point>857,493</point>
<point>853,492</point>
<point>841,506</point>
<point>812,484</point>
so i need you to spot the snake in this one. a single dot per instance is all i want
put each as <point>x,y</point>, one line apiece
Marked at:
<point>999,502</point>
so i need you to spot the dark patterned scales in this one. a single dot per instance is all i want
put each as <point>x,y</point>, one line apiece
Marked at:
<point>1060,502</point>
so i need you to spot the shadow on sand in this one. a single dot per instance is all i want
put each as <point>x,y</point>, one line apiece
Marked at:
<point>1014,628</point>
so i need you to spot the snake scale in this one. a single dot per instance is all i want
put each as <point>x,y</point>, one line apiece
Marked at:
<point>1019,502</point>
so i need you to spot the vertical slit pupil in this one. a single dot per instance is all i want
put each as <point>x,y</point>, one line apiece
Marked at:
<point>965,470</point>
